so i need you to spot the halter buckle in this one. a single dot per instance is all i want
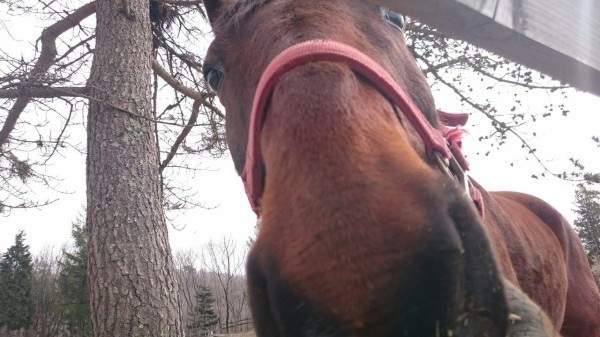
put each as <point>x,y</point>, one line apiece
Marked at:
<point>452,168</point>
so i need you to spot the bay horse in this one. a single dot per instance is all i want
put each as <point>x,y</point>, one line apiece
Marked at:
<point>369,226</point>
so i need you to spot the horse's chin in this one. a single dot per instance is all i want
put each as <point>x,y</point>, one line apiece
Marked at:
<point>526,319</point>
<point>376,268</point>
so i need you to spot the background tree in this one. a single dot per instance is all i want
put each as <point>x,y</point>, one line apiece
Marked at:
<point>203,319</point>
<point>44,93</point>
<point>192,279</point>
<point>596,270</point>
<point>188,278</point>
<point>73,284</point>
<point>58,294</point>
<point>132,279</point>
<point>225,260</point>
<point>587,224</point>
<point>16,301</point>
<point>48,318</point>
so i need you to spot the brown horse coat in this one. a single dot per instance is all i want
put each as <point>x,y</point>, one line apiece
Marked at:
<point>541,253</point>
<point>361,235</point>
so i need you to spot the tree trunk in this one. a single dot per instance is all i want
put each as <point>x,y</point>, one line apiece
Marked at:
<point>133,291</point>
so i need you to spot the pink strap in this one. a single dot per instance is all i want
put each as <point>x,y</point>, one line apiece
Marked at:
<point>321,50</point>
<point>454,139</point>
<point>453,119</point>
<point>454,136</point>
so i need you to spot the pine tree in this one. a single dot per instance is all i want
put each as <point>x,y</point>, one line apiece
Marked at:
<point>203,318</point>
<point>73,285</point>
<point>16,300</point>
<point>587,223</point>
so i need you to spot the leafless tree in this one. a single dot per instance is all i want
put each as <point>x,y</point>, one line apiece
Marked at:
<point>189,278</point>
<point>47,320</point>
<point>44,93</point>
<point>133,68</point>
<point>481,81</point>
<point>122,128</point>
<point>196,268</point>
<point>226,260</point>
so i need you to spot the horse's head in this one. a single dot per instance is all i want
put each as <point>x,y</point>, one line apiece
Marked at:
<point>362,234</point>
<point>249,34</point>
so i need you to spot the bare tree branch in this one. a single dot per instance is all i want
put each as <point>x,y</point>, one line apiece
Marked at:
<point>499,125</point>
<point>46,59</point>
<point>173,82</point>
<point>181,2</point>
<point>186,130</point>
<point>62,131</point>
<point>44,92</point>
<point>65,56</point>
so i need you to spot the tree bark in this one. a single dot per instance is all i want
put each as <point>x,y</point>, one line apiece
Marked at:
<point>133,291</point>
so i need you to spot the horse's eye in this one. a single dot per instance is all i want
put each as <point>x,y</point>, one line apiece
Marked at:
<point>213,76</point>
<point>393,18</point>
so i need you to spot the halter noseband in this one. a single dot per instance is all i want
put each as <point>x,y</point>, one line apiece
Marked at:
<point>436,145</point>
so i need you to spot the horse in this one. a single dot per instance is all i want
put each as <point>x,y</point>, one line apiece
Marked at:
<point>369,224</point>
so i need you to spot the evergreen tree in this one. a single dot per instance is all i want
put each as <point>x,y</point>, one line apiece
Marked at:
<point>587,223</point>
<point>73,285</point>
<point>16,300</point>
<point>203,318</point>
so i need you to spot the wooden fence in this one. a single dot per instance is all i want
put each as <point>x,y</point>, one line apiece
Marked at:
<point>245,324</point>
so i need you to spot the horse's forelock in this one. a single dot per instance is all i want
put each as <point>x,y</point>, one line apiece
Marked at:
<point>232,12</point>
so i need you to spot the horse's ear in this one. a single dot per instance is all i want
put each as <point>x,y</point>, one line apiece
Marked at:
<point>212,7</point>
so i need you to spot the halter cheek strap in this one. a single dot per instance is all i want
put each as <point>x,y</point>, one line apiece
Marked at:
<point>323,50</point>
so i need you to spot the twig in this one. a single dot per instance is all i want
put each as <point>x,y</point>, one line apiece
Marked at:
<point>44,92</point>
<point>181,2</point>
<point>173,82</point>
<point>186,130</point>
<point>524,143</point>
<point>62,132</point>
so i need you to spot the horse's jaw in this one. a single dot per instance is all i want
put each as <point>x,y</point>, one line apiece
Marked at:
<point>357,229</point>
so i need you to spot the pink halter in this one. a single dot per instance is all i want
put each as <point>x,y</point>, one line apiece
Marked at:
<point>321,50</point>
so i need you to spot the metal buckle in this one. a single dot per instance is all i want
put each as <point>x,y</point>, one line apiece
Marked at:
<point>451,167</point>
